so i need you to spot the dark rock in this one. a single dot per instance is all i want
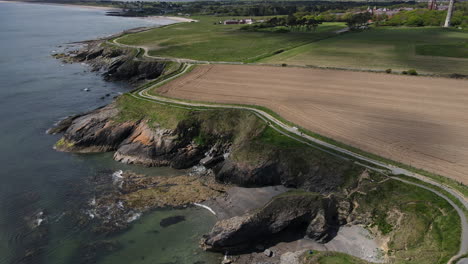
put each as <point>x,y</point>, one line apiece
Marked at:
<point>291,168</point>
<point>247,175</point>
<point>130,70</point>
<point>95,132</point>
<point>158,147</point>
<point>171,220</point>
<point>62,125</point>
<point>318,227</point>
<point>305,213</point>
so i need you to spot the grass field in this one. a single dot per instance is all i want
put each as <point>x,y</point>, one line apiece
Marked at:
<point>428,50</point>
<point>204,40</point>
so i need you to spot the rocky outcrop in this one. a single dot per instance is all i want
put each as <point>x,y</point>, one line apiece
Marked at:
<point>302,213</point>
<point>159,147</point>
<point>94,132</point>
<point>245,161</point>
<point>292,167</point>
<point>133,141</point>
<point>116,64</point>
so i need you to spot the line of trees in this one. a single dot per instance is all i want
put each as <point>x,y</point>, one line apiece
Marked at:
<point>297,22</point>
<point>425,17</point>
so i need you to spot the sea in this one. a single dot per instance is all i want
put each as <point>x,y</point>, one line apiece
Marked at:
<point>36,91</point>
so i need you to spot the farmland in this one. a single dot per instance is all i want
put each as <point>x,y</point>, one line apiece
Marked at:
<point>206,40</point>
<point>428,50</point>
<point>418,121</point>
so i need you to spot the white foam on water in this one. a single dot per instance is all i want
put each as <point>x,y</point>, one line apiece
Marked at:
<point>134,217</point>
<point>93,201</point>
<point>117,178</point>
<point>206,207</point>
<point>91,214</point>
<point>39,219</point>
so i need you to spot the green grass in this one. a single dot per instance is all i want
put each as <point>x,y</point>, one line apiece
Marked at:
<point>382,48</point>
<point>448,50</point>
<point>204,40</point>
<point>330,257</point>
<point>444,192</point>
<point>271,136</point>
<point>419,224</point>
<point>133,109</point>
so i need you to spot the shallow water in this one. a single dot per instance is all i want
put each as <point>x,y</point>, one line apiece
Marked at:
<point>36,91</point>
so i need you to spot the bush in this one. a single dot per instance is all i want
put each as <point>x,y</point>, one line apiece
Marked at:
<point>280,29</point>
<point>404,72</point>
<point>278,51</point>
<point>412,72</point>
<point>388,70</point>
<point>284,65</point>
<point>458,76</point>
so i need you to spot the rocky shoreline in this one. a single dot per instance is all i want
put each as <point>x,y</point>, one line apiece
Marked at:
<point>229,147</point>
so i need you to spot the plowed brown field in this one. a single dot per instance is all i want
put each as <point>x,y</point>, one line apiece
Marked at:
<point>420,121</point>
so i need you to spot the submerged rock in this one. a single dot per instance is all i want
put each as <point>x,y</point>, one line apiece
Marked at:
<point>171,220</point>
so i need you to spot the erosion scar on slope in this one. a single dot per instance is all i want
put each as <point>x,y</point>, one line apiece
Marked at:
<point>420,121</point>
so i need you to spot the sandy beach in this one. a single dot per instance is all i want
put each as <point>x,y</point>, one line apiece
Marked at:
<point>69,5</point>
<point>174,18</point>
<point>178,19</point>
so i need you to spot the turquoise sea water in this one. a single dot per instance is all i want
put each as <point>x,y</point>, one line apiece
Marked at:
<point>36,91</point>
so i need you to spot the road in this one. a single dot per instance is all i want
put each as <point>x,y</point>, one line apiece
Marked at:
<point>316,143</point>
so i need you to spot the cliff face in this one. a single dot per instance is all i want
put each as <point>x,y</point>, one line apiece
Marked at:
<point>208,139</point>
<point>133,141</point>
<point>116,64</point>
<point>301,213</point>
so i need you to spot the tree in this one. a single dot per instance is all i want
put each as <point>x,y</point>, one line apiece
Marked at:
<point>449,13</point>
<point>357,20</point>
<point>311,22</point>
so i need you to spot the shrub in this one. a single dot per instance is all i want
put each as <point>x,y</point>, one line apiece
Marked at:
<point>388,70</point>
<point>404,72</point>
<point>278,51</point>
<point>458,76</point>
<point>284,65</point>
<point>412,72</point>
<point>280,29</point>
